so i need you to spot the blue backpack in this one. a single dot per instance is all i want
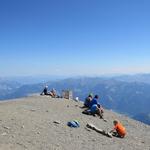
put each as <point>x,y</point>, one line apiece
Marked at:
<point>73,124</point>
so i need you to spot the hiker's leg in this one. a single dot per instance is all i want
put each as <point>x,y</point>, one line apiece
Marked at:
<point>87,112</point>
<point>50,93</point>
<point>100,113</point>
<point>115,133</point>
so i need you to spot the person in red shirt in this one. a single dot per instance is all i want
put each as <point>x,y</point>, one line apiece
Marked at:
<point>118,130</point>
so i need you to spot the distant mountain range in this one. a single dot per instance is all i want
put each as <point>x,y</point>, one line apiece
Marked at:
<point>8,87</point>
<point>125,94</point>
<point>142,78</point>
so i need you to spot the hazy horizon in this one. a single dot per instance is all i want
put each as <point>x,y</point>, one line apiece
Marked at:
<point>74,76</point>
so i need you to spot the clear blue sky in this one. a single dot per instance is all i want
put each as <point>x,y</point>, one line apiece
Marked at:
<point>74,37</point>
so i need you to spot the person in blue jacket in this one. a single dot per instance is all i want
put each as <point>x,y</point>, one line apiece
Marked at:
<point>94,101</point>
<point>95,109</point>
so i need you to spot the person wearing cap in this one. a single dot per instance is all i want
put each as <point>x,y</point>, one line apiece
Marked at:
<point>118,130</point>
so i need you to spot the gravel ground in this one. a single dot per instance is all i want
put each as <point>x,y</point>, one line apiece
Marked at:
<point>28,124</point>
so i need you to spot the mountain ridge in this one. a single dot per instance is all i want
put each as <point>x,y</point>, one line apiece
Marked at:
<point>130,98</point>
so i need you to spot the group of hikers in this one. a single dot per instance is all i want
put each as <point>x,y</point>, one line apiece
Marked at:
<point>52,92</point>
<point>94,108</point>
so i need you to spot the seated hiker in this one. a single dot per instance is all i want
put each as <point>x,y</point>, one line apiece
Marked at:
<point>94,101</point>
<point>88,100</point>
<point>118,130</point>
<point>95,109</point>
<point>45,91</point>
<point>53,93</point>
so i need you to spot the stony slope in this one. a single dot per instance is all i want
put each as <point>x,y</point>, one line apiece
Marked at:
<point>27,124</point>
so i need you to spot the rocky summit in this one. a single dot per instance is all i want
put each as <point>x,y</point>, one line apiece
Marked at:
<point>40,123</point>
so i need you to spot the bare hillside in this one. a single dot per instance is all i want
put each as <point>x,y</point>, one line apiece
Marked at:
<point>28,124</point>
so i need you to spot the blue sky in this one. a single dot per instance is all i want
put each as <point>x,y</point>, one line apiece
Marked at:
<point>74,37</point>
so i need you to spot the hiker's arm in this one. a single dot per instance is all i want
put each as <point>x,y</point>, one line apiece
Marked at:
<point>112,130</point>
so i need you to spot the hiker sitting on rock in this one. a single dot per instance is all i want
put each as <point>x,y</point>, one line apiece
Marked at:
<point>88,100</point>
<point>45,91</point>
<point>53,93</point>
<point>118,130</point>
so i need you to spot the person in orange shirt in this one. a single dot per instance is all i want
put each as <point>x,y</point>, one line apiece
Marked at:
<point>118,130</point>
